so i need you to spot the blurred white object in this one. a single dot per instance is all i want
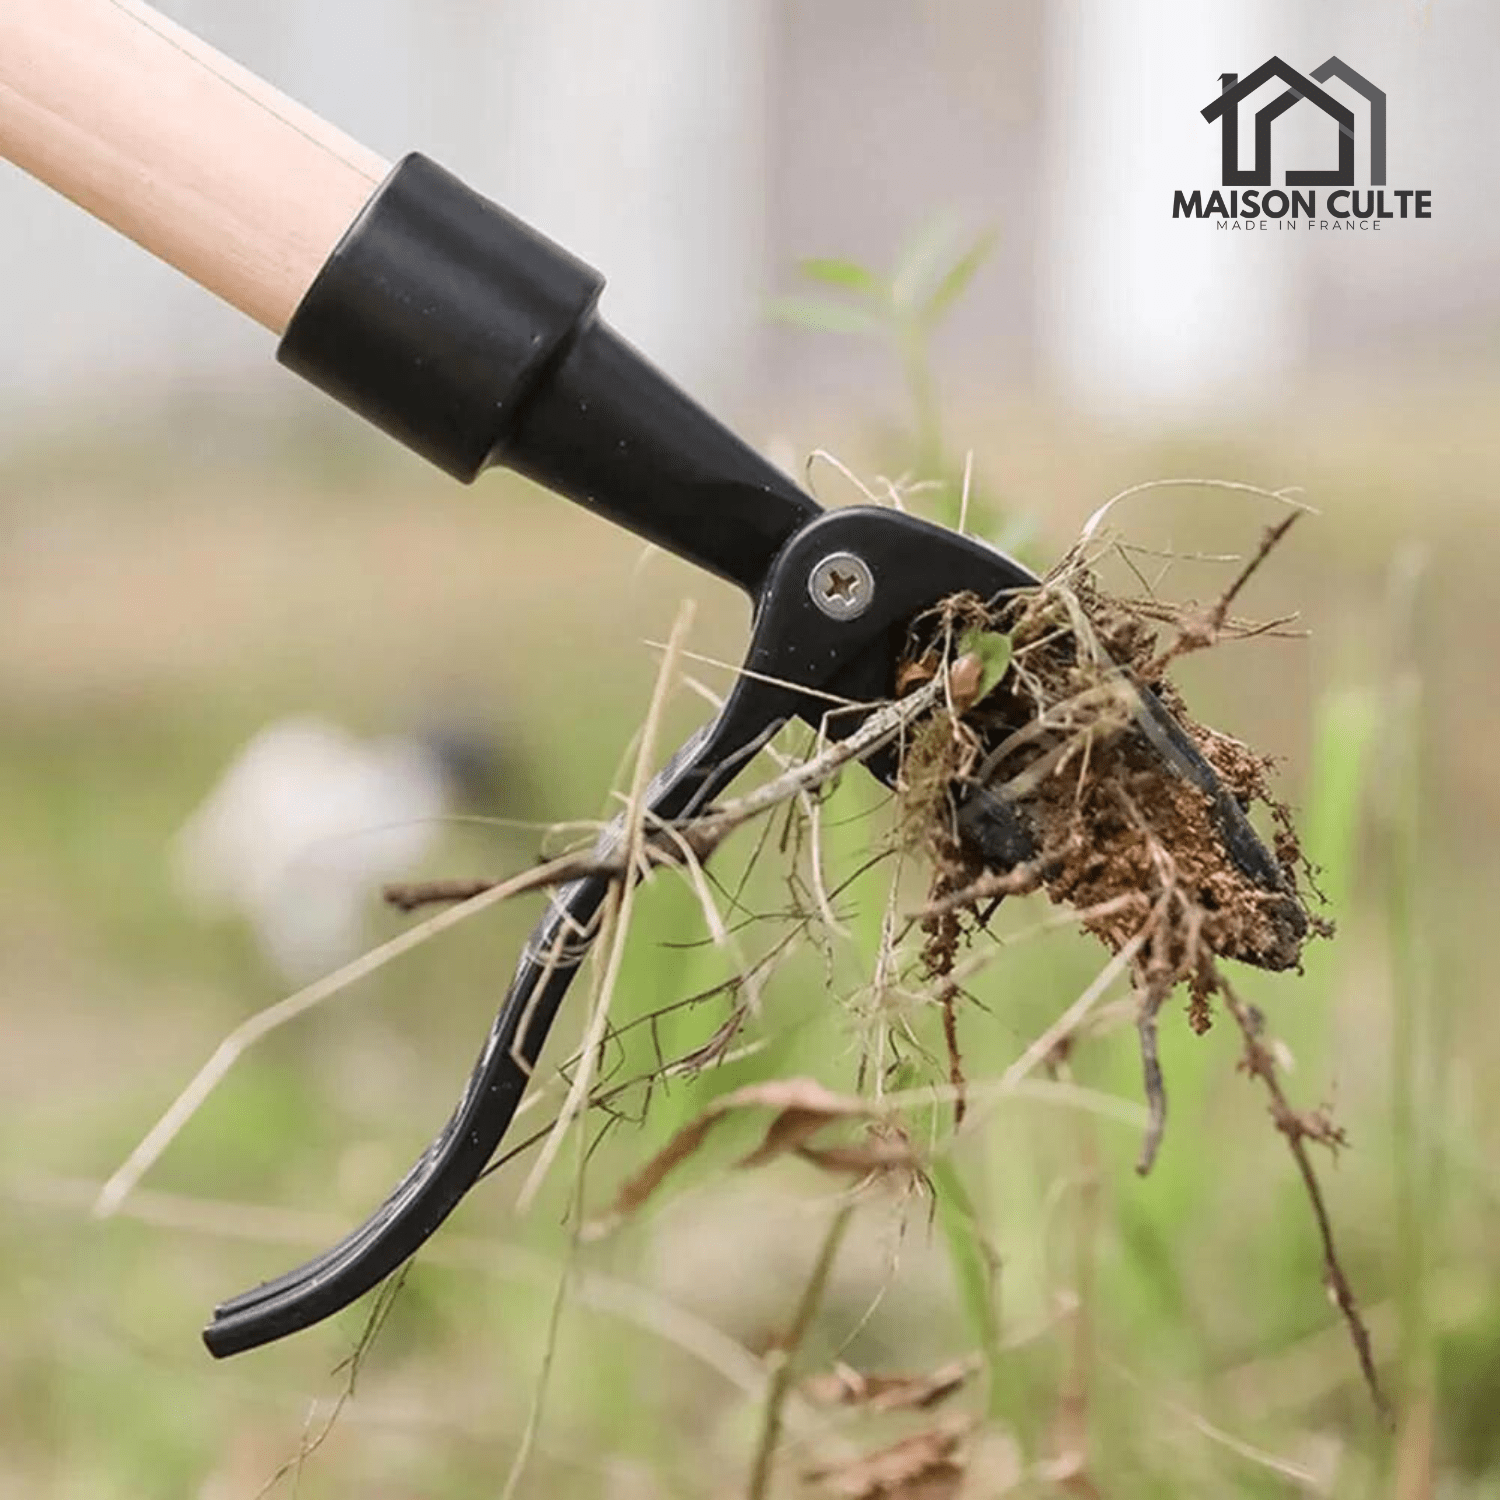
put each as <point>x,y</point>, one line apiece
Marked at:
<point>303,828</point>
<point>1145,317</point>
<point>634,135</point>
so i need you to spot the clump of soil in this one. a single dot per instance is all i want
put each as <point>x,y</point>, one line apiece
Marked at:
<point>1080,773</point>
<point>1083,775</point>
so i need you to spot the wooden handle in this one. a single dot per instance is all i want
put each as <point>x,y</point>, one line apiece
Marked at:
<point>194,158</point>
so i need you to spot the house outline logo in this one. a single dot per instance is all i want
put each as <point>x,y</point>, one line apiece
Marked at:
<point>1226,109</point>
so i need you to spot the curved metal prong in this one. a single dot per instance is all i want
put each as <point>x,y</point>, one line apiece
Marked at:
<point>450,1165</point>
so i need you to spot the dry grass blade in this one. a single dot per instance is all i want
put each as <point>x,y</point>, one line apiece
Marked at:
<point>617,909</point>
<point>1205,629</point>
<point>311,1441</point>
<point>1094,525</point>
<point>249,1032</point>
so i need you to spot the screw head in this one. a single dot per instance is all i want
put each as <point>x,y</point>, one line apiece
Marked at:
<point>842,586</point>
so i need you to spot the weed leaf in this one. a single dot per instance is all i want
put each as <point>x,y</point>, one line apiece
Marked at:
<point>825,317</point>
<point>922,264</point>
<point>848,274</point>
<point>956,279</point>
<point>993,649</point>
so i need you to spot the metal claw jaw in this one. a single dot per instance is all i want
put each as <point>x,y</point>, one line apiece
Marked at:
<point>802,648</point>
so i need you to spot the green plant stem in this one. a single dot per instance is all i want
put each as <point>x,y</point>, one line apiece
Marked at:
<point>922,389</point>
<point>1412,1096</point>
<point>780,1384</point>
<point>972,1272</point>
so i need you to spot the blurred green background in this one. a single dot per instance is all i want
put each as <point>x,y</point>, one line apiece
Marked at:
<point>187,558</point>
<point>132,674</point>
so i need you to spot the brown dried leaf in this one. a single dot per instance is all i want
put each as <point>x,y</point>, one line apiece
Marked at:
<point>639,1188</point>
<point>795,1093</point>
<point>874,1154</point>
<point>803,1106</point>
<point>925,1466</point>
<point>787,1132</point>
<point>844,1386</point>
<point>885,1148</point>
<point>912,674</point>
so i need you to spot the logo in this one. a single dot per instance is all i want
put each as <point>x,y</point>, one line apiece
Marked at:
<point>1226,110</point>
<point>1344,208</point>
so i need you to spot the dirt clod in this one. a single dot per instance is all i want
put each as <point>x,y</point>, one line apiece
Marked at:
<point>1132,813</point>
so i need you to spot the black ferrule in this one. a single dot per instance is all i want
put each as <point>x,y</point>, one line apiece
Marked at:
<point>474,340</point>
<point>436,314</point>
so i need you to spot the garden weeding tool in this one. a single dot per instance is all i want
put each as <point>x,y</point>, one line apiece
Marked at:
<point>475,341</point>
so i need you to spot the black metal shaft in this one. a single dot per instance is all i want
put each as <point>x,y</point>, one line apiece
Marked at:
<point>474,340</point>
